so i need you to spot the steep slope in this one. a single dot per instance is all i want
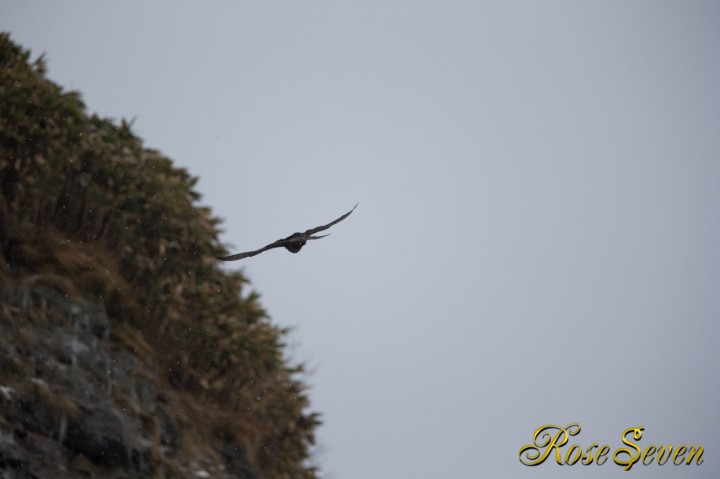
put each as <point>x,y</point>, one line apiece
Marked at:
<point>124,350</point>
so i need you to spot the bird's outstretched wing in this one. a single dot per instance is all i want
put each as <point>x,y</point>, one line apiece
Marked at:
<point>247,254</point>
<point>293,243</point>
<point>318,229</point>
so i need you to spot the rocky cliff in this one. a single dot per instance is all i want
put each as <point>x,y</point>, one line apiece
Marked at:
<point>79,401</point>
<point>124,350</point>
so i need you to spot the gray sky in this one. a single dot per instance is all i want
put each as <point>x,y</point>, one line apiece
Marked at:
<point>537,235</point>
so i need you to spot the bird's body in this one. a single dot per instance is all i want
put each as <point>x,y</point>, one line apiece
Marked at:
<point>294,246</point>
<point>292,243</point>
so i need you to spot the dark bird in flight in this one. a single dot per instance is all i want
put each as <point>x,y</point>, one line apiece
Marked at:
<point>292,243</point>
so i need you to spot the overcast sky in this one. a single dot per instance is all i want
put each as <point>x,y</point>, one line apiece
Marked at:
<point>538,233</point>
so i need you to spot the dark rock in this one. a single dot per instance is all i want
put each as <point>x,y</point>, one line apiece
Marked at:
<point>169,432</point>
<point>11,454</point>
<point>46,454</point>
<point>238,462</point>
<point>100,434</point>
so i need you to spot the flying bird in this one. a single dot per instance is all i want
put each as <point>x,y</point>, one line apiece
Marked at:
<point>292,243</point>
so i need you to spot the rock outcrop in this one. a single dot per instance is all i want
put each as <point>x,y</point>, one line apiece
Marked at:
<point>77,404</point>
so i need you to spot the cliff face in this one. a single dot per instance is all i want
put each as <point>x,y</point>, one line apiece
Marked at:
<point>124,350</point>
<point>81,403</point>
